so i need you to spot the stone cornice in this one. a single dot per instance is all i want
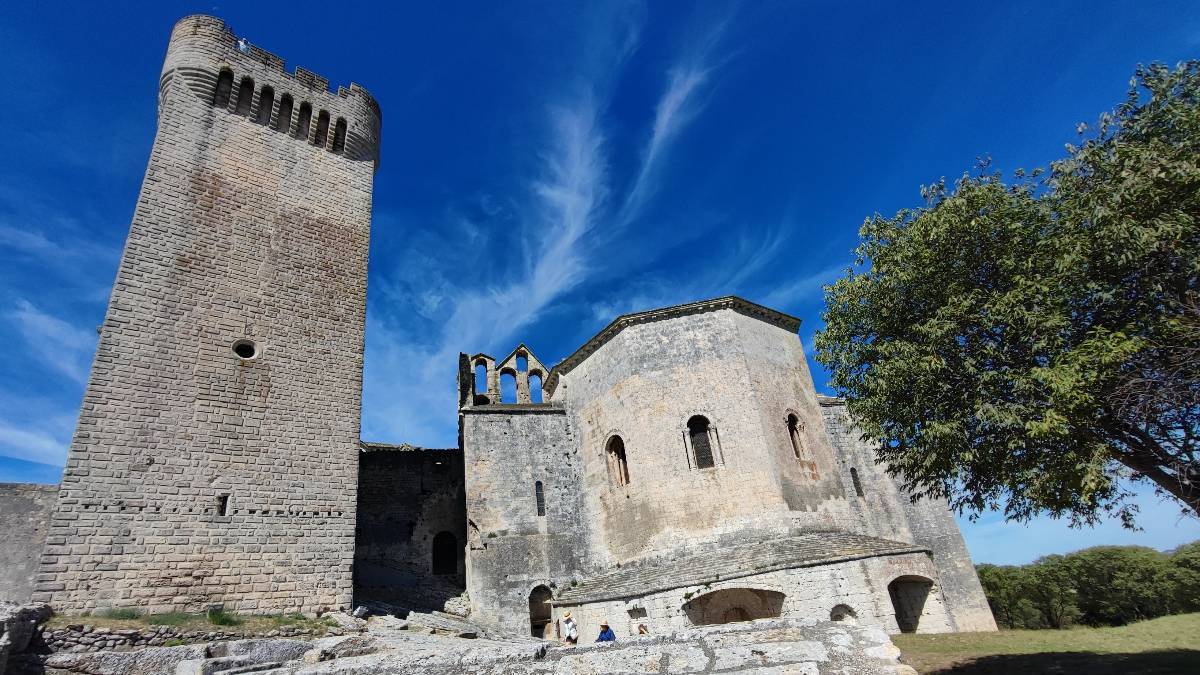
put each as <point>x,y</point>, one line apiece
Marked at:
<point>739,305</point>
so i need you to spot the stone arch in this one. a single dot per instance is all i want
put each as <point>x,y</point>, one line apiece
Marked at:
<point>508,385</point>
<point>843,613</point>
<point>224,89</point>
<point>266,101</point>
<point>339,136</point>
<point>245,97</point>
<point>728,605</point>
<point>321,138</point>
<point>283,121</point>
<point>536,383</point>
<point>909,593</point>
<point>304,121</point>
<point>539,611</point>
<point>444,554</point>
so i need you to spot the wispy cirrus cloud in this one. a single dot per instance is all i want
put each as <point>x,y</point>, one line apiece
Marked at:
<point>36,443</point>
<point>570,212</point>
<point>63,347</point>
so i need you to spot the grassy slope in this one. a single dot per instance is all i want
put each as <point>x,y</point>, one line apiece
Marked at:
<point>1170,644</point>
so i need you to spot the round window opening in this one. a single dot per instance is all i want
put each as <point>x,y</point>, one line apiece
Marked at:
<point>245,349</point>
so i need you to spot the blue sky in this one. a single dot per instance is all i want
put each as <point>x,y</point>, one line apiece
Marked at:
<point>547,166</point>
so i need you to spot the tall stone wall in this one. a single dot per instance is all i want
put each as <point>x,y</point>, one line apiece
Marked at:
<point>24,519</point>
<point>407,498</point>
<point>215,458</point>
<point>511,550</point>
<point>885,510</point>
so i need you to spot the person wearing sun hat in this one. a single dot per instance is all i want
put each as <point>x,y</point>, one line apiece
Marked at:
<point>606,633</point>
<point>572,629</point>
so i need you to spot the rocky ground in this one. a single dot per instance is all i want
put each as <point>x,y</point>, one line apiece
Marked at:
<point>441,644</point>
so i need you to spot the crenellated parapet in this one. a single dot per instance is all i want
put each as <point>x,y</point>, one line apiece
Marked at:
<point>208,61</point>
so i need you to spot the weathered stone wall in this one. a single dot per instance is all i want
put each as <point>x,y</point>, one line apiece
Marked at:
<point>885,510</point>
<point>406,497</point>
<point>507,450</point>
<point>196,476</point>
<point>808,593</point>
<point>744,376</point>
<point>24,519</point>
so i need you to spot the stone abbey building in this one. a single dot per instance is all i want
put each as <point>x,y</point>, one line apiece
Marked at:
<point>678,469</point>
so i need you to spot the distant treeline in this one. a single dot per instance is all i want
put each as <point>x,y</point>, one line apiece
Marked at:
<point>1101,586</point>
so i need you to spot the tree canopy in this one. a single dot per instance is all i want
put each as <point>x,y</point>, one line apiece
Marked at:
<point>1032,344</point>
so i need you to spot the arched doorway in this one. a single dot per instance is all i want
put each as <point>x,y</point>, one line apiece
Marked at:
<point>445,554</point>
<point>539,611</point>
<point>909,594</point>
<point>730,605</point>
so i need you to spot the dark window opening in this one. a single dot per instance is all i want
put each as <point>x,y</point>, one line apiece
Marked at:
<point>539,496</point>
<point>857,483</point>
<point>283,122</point>
<point>304,122</point>
<point>266,101</point>
<point>339,136</point>
<point>698,434</point>
<point>245,349</point>
<point>445,554</point>
<point>508,387</point>
<point>224,89</point>
<point>322,135</point>
<point>245,96</point>
<point>535,387</point>
<point>794,429</point>
<point>618,466</point>
<point>223,505</point>
<point>909,594</point>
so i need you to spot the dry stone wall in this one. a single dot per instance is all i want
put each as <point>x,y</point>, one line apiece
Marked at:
<point>206,470</point>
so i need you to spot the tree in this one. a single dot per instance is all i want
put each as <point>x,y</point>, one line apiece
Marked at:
<point>1116,585</point>
<point>1007,591</point>
<point>1033,346</point>
<point>1050,585</point>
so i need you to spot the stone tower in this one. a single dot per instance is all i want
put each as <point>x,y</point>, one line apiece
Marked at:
<point>215,458</point>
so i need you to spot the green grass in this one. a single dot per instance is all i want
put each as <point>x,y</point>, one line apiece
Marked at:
<point>119,613</point>
<point>1170,644</point>
<point>170,619</point>
<point>219,617</point>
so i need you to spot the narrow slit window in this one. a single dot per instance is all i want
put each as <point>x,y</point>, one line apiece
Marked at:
<point>618,465</point>
<point>339,136</point>
<point>322,135</point>
<point>223,505</point>
<point>481,386</point>
<point>245,96</point>
<point>794,429</point>
<point>283,121</point>
<point>266,101</point>
<point>539,495</point>
<point>224,89</point>
<point>698,434</point>
<point>858,490</point>
<point>304,121</point>
<point>535,387</point>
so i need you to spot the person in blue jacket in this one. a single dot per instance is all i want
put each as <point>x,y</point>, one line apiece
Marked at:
<point>606,634</point>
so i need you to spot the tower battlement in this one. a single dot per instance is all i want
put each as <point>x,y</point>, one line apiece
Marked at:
<point>220,69</point>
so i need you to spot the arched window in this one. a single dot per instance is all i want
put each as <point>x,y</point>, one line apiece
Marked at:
<point>322,135</point>
<point>266,101</point>
<point>508,386</point>
<point>857,483</point>
<point>445,554</point>
<point>539,496</point>
<point>522,363</point>
<point>339,136</point>
<point>305,120</point>
<point>794,429</point>
<point>481,386</point>
<point>224,89</point>
<point>245,96</point>
<point>535,387</point>
<point>283,122</point>
<point>698,434</point>
<point>618,466</point>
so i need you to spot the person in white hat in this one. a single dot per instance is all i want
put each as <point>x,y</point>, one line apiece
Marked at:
<point>572,629</point>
